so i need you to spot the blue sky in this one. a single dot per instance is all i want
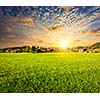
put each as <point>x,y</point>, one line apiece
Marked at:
<point>48,25</point>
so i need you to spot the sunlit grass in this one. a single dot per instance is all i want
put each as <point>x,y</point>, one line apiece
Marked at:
<point>50,72</point>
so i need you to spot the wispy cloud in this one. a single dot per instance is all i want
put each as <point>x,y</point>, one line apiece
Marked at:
<point>92,32</point>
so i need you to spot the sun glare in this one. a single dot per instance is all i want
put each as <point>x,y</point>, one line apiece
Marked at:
<point>63,44</point>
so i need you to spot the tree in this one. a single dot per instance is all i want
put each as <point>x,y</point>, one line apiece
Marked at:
<point>34,49</point>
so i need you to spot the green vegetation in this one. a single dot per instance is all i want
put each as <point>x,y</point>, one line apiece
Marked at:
<point>50,72</point>
<point>95,46</point>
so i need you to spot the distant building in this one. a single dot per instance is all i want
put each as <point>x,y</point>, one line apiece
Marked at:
<point>82,50</point>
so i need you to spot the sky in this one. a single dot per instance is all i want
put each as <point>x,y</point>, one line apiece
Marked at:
<point>47,26</point>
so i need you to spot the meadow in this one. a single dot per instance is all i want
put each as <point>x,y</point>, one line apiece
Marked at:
<point>50,72</point>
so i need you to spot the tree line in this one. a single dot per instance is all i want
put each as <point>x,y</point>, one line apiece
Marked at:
<point>33,49</point>
<point>36,49</point>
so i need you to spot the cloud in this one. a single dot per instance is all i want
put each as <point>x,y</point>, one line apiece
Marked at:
<point>5,29</point>
<point>77,40</point>
<point>13,26</point>
<point>77,20</point>
<point>15,29</point>
<point>8,29</point>
<point>65,7</point>
<point>92,31</point>
<point>98,35</point>
<point>40,41</point>
<point>24,21</point>
<point>55,29</point>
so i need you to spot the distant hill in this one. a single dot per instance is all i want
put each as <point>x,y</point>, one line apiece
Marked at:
<point>95,46</point>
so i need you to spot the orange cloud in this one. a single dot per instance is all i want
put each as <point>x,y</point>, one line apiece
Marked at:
<point>93,32</point>
<point>77,40</point>
<point>40,41</point>
<point>98,35</point>
<point>65,7</point>
<point>25,21</point>
<point>18,19</point>
<point>55,29</point>
<point>7,29</point>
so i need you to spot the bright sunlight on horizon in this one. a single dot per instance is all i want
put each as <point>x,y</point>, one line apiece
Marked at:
<point>64,44</point>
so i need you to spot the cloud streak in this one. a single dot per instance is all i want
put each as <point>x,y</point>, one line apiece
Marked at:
<point>92,32</point>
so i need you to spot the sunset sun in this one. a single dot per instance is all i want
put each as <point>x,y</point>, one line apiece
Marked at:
<point>63,44</point>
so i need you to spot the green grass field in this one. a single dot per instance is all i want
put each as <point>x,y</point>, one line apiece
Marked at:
<point>50,72</point>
